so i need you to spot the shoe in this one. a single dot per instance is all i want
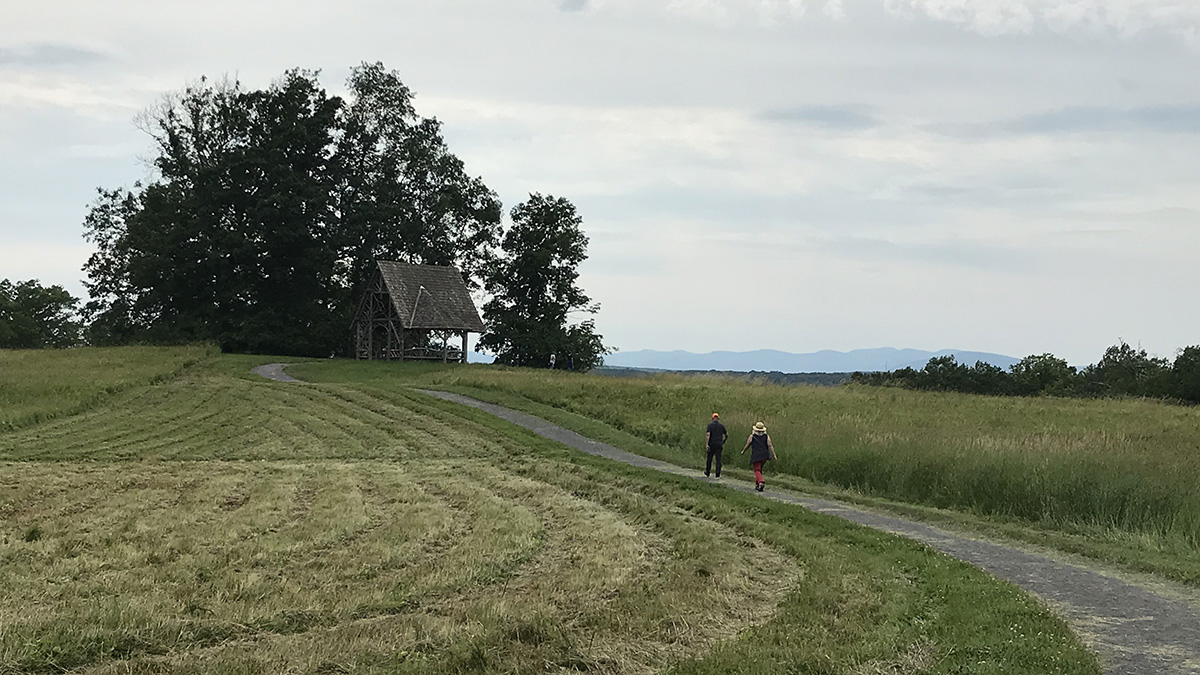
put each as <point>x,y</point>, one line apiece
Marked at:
<point>706,474</point>
<point>760,487</point>
<point>718,477</point>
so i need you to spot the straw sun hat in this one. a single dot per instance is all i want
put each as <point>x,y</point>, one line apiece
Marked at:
<point>759,428</point>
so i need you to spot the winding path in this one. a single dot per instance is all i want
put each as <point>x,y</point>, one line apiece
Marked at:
<point>1135,631</point>
<point>274,371</point>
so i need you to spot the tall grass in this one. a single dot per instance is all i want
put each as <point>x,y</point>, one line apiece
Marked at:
<point>1129,466</point>
<point>36,385</point>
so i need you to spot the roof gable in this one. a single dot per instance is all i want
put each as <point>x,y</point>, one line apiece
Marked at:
<point>431,297</point>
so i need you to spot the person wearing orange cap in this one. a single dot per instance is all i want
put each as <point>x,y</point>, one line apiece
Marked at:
<point>714,443</point>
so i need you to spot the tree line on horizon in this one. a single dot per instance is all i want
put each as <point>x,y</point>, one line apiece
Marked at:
<point>1122,371</point>
<point>268,208</point>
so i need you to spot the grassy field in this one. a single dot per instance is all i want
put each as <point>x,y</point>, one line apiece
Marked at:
<point>213,522</point>
<point>34,387</point>
<point>1117,480</point>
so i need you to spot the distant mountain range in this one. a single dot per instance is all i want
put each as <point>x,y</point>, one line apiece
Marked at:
<point>767,360</point>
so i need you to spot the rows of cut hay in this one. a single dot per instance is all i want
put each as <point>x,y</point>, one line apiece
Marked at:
<point>1126,471</point>
<point>224,524</point>
<point>286,566</point>
<point>36,385</point>
<point>115,562</point>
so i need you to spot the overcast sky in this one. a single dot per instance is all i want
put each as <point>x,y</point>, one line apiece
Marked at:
<point>1013,176</point>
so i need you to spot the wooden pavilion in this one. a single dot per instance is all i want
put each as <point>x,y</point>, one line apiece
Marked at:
<point>410,312</point>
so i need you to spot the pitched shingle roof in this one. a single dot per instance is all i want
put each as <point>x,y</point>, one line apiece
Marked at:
<point>430,297</point>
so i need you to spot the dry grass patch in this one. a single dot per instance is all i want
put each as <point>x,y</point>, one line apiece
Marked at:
<point>208,416</point>
<point>294,565</point>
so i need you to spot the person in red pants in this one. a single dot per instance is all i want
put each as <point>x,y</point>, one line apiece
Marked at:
<point>761,450</point>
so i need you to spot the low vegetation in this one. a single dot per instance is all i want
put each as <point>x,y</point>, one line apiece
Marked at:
<point>36,385</point>
<point>215,522</point>
<point>1115,479</point>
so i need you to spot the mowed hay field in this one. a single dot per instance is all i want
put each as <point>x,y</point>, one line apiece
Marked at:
<point>210,521</point>
<point>34,388</point>
<point>1117,480</point>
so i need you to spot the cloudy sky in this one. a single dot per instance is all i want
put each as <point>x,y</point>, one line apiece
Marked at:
<point>1014,176</point>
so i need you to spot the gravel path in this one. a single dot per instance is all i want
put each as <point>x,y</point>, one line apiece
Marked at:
<point>274,371</point>
<point>1135,631</point>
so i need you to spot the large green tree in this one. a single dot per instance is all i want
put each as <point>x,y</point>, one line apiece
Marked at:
<point>1186,374</point>
<point>33,316</point>
<point>269,207</point>
<point>535,291</point>
<point>1043,374</point>
<point>1126,371</point>
<point>403,194</point>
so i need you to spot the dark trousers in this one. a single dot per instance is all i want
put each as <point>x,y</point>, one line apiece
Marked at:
<point>713,453</point>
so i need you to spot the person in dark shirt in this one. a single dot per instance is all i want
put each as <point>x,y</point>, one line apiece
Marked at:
<point>763,450</point>
<point>714,442</point>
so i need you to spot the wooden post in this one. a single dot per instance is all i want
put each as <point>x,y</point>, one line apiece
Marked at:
<point>445,346</point>
<point>464,349</point>
<point>369,324</point>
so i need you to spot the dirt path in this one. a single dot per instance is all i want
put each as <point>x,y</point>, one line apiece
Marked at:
<point>1135,631</point>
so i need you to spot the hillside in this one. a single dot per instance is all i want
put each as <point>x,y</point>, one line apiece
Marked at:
<point>380,530</point>
<point>1117,480</point>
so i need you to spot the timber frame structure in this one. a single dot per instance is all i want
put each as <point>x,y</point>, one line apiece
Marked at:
<point>406,310</point>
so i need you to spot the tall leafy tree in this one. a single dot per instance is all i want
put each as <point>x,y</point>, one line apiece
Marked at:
<point>535,292</point>
<point>1043,374</point>
<point>1186,374</point>
<point>33,316</point>
<point>1126,371</point>
<point>403,194</point>
<point>232,242</point>
<point>268,209</point>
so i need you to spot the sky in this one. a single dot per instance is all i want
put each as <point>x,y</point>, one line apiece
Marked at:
<point>1009,176</point>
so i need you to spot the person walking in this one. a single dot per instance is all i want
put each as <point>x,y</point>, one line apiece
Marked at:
<point>714,443</point>
<point>552,362</point>
<point>761,452</point>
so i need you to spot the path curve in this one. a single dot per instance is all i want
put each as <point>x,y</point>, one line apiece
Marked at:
<point>1135,631</point>
<point>274,371</point>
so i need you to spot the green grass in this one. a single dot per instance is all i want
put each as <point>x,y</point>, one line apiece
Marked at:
<point>1115,480</point>
<point>215,522</point>
<point>36,385</point>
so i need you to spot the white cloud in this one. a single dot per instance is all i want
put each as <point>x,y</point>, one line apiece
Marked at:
<point>1123,17</point>
<point>68,92</point>
<point>716,11</point>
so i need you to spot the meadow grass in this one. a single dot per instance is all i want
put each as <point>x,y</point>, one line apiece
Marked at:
<point>1120,476</point>
<point>214,522</point>
<point>36,385</point>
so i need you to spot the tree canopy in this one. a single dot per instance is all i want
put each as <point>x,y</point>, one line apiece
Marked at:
<point>534,290</point>
<point>33,316</point>
<point>267,208</point>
